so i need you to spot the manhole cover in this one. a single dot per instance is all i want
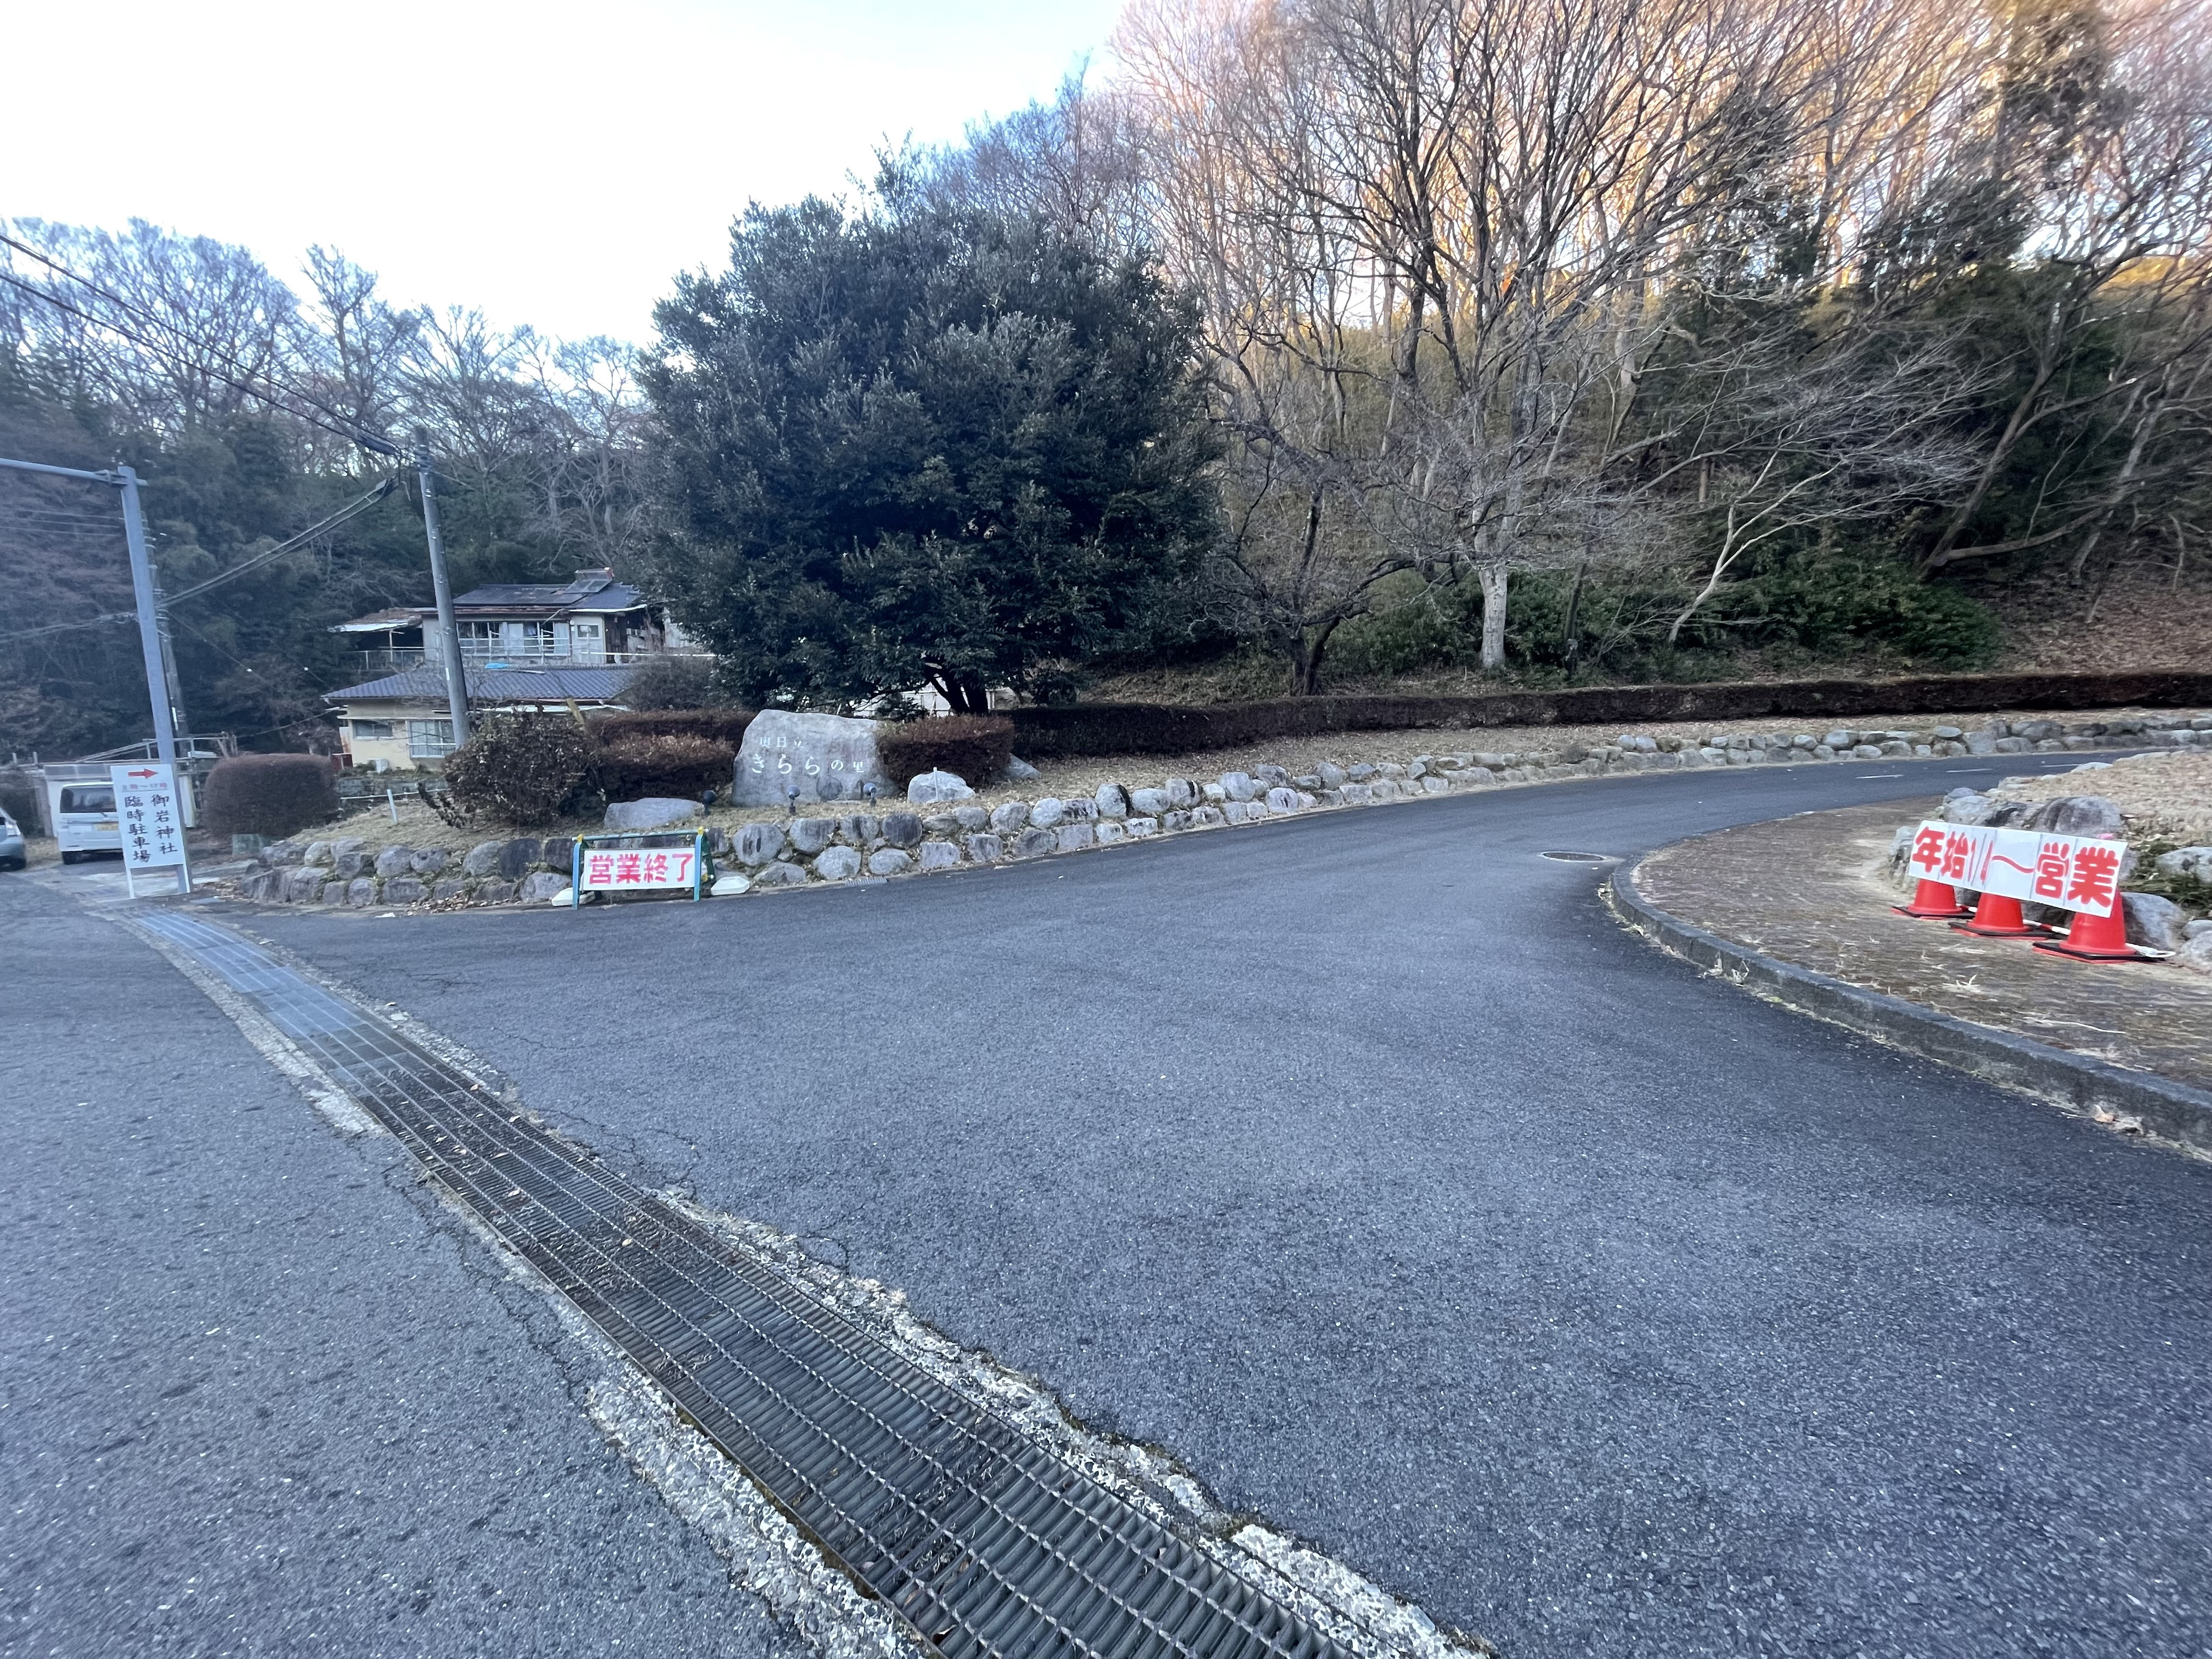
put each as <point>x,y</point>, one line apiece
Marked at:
<point>1581,858</point>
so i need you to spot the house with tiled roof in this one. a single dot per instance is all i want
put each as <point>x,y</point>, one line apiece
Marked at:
<point>524,645</point>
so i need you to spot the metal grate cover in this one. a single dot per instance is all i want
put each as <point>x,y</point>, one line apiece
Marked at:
<point>985,1543</point>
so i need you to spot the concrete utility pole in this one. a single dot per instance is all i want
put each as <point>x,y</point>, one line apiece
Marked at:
<point>158,692</point>
<point>456,682</point>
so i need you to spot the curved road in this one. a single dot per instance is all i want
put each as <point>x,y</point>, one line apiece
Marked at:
<point>1363,1162</point>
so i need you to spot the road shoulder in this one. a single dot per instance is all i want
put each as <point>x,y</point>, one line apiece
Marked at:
<point>1792,910</point>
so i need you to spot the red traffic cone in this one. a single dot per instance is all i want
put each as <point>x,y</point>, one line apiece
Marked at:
<point>2093,937</point>
<point>1996,916</point>
<point>1937,901</point>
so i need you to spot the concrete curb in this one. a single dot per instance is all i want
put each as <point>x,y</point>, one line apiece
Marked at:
<point>2095,1088</point>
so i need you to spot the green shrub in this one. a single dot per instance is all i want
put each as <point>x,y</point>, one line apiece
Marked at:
<point>630,767</point>
<point>522,770</point>
<point>974,746</point>
<point>671,683</point>
<point>1836,604</point>
<point>273,795</point>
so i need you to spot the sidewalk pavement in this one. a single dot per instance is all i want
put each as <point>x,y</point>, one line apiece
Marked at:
<point>1800,907</point>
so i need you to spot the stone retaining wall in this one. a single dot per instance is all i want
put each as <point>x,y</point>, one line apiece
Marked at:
<point>794,852</point>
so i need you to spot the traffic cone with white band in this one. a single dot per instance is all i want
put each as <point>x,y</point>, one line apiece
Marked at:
<point>2093,937</point>
<point>1996,916</point>
<point>1935,901</point>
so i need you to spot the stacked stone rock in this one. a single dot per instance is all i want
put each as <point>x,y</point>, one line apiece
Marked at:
<point>346,871</point>
<point>942,827</point>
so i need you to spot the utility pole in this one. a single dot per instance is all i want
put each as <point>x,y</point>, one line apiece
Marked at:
<point>149,639</point>
<point>456,682</point>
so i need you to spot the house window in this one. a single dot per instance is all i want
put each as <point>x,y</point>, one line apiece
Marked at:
<point>430,739</point>
<point>371,729</point>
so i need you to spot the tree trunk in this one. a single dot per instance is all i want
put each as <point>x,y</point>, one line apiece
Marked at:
<point>1306,653</point>
<point>1568,637</point>
<point>1493,577</point>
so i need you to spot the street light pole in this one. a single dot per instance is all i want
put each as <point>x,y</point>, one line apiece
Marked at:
<point>457,683</point>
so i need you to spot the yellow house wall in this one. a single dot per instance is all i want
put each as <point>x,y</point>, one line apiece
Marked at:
<point>392,751</point>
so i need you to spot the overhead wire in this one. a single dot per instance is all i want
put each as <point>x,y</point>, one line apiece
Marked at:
<point>352,510</point>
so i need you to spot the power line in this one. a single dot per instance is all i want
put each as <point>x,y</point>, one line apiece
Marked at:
<point>352,510</point>
<point>346,427</point>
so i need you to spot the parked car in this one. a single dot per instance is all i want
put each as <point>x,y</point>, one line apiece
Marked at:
<point>84,816</point>
<point>12,853</point>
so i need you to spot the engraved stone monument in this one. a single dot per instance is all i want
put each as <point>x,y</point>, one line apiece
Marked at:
<point>828,756</point>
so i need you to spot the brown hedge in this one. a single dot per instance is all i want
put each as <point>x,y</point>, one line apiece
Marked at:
<point>268,794</point>
<point>716,725</point>
<point>1166,729</point>
<point>673,764</point>
<point>521,769</point>
<point>974,746</point>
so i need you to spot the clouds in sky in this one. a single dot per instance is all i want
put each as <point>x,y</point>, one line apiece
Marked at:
<point>555,163</point>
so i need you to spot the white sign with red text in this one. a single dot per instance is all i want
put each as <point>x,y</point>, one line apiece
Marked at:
<point>2071,872</point>
<point>629,870</point>
<point>149,815</point>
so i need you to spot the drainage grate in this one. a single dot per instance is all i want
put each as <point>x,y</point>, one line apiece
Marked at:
<point>985,1543</point>
<point>1579,857</point>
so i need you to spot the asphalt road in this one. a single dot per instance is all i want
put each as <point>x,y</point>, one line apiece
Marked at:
<point>1364,1162</point>
<point>258,1395</point>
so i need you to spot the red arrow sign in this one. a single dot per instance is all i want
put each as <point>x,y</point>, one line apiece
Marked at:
<point>147,773</point>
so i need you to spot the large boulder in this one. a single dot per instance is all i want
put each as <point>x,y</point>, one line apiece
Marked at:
<point>302,886</point>
<point>758,843</point>
<point>935,786</point>
<point>2186,864</point>
<point>1113,801</point>
<point>1009,819</point>
<point>838,864</point>
<point>540,887</point>
<point>2196,954</point>
<point>1047,814</point>
<point>2155,921</point>
<point>395,861</point>
<point>985,849</point>
<point>827,756</point>
<point>409,889</point>
<point>654,812</point>
<point>902,829</point>
<point>810,836</point>
<point>1020,770</point>
<point>516,858</point>
<point>1238,785</point>
<point>430,861</point>
<point>483,859</point>
<point>350,863</point>
<point>889,861</point>
<point>2077,814</point>
<point>937,854</point>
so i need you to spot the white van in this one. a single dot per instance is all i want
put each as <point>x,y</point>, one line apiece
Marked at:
<point>82,813</point>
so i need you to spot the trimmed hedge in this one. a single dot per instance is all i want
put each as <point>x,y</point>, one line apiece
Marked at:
<point>716,725</point>
<point>273,795</point>
<point>1137,728</point>
<point>975,746</point>
<point>633,767</point>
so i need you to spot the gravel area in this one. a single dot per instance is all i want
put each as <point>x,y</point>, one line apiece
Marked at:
<point>2165,796</point>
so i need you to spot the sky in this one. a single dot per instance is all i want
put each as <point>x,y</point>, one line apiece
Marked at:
<point>553,163</point>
